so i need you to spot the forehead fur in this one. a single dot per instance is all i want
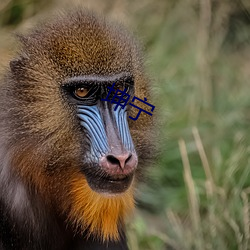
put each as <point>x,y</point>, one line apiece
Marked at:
<point>80,43</point>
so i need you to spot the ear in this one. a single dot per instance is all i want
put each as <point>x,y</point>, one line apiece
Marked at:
<point>15,64</point>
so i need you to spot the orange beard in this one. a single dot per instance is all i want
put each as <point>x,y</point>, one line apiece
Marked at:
<point>96,212</point>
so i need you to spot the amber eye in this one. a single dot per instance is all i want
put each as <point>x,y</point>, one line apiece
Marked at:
<point>81,92</point>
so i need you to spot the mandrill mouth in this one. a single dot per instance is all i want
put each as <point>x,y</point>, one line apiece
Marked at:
<point>104,183</point>
<point>113,174</point>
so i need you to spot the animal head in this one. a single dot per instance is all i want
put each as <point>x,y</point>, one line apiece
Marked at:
<point>79,153</point>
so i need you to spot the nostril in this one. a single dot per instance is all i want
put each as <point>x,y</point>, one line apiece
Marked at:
<point>113,160</point>
<point>127,160</point>
<point>124,163</point>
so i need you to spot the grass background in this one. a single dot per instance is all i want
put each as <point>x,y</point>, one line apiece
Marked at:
<point>198,53</point>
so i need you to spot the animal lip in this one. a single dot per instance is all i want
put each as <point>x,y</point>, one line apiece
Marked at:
<point>117,177</point>
<point>109,183</point>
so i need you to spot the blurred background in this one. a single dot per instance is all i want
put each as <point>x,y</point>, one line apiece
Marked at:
<point>196,195</point>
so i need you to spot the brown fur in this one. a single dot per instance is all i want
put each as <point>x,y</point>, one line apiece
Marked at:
<point>39,132</point>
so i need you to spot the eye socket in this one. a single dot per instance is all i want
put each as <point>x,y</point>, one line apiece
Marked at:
<point>121,88</point>
<point>81,92</point>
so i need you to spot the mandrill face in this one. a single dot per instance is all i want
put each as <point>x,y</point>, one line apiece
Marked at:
<point>109,164</point>
<point>75,151</point>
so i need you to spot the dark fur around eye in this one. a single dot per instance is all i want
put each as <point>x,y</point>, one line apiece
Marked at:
<point>97,88</point>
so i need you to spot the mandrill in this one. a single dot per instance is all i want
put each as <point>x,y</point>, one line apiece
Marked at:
<point>69,161</point>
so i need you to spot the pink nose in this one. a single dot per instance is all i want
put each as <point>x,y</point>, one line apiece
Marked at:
<point>124,163</point>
